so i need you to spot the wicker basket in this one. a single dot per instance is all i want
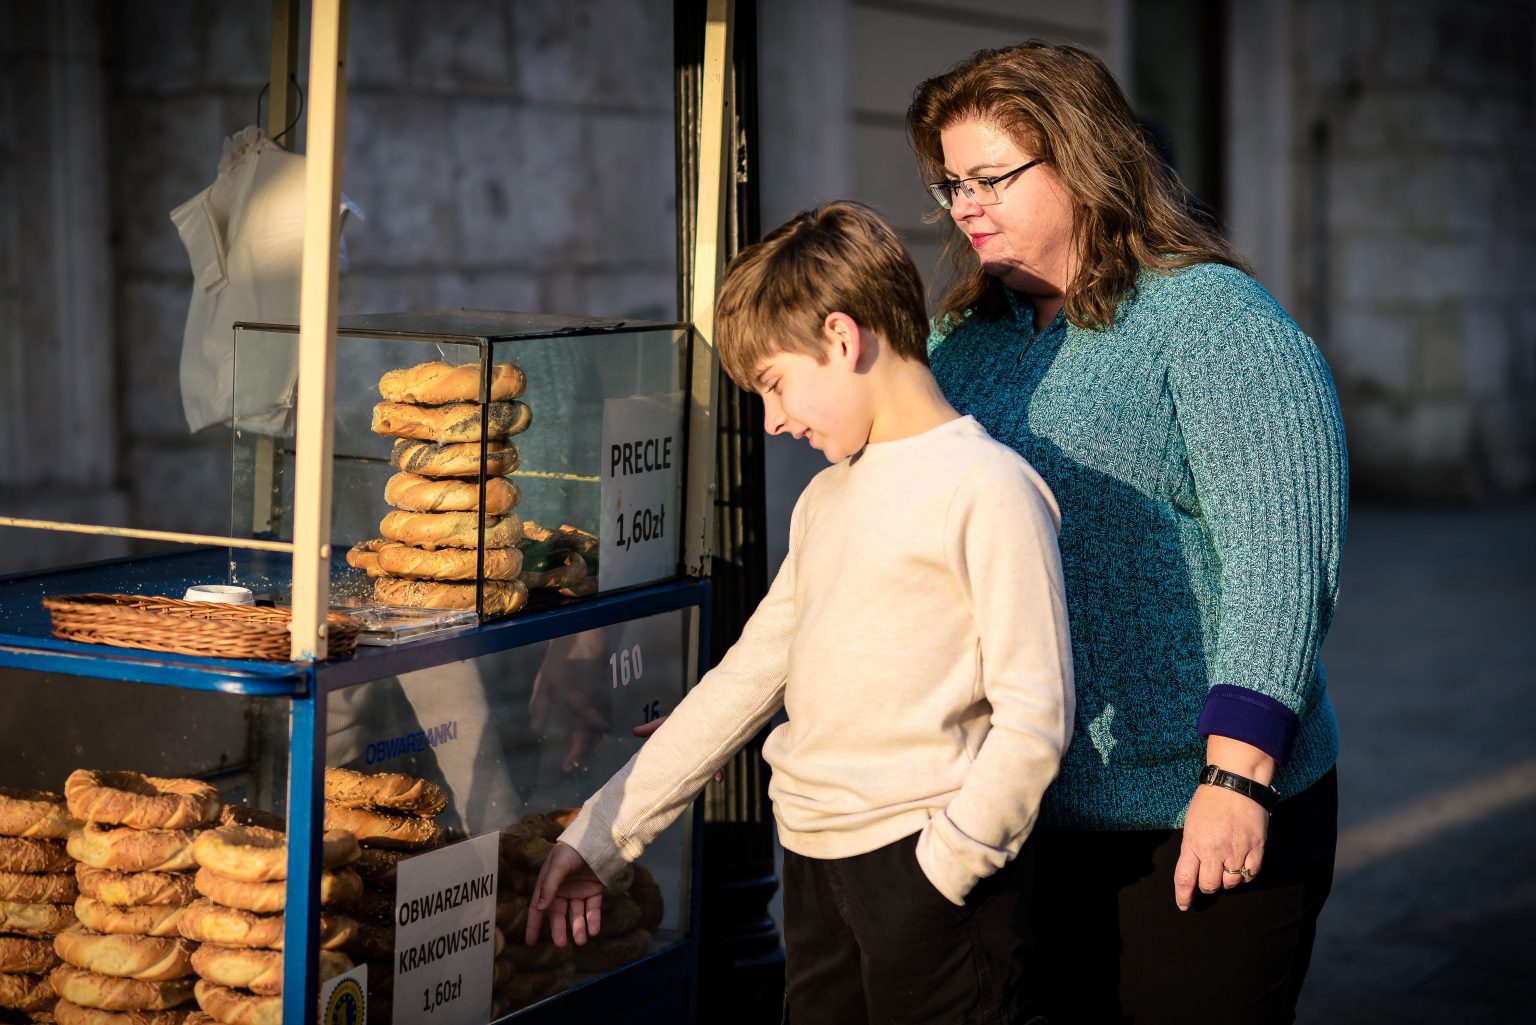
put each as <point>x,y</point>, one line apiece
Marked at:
<point>214,629</point>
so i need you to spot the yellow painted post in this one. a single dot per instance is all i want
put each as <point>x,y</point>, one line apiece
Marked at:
<point>716,171</point>
<point>317,327</point>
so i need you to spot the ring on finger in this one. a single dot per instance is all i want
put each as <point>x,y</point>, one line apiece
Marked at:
<point>1244,872</point>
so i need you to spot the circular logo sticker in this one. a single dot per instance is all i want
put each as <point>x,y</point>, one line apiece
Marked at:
<point>346,1005</point>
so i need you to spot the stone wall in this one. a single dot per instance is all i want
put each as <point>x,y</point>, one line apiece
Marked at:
<point>508,155</point>
<point>1416,234</point>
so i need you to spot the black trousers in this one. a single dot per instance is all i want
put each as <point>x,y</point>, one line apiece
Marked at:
<point>1115,949</point>
<point>868,939</point>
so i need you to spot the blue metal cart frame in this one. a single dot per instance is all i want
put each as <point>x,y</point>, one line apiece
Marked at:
<point>659,988</point>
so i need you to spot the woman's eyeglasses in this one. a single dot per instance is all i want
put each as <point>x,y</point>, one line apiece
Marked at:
<point>981,190</point>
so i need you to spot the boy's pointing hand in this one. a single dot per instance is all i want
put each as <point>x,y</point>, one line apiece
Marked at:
<point>571,893</point>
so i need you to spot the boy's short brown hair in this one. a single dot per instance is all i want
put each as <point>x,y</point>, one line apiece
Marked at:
<point>837,258</point>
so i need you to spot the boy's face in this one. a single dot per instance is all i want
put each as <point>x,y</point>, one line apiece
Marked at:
<point>818,401</point>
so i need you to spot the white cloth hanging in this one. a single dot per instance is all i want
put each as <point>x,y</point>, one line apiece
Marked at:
<point>244,236</point>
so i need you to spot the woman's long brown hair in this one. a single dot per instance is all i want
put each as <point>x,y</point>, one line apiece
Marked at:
<point>1061,104</point>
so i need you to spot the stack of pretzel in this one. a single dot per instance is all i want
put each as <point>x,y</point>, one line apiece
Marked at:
<point>237,922</point>
<point>133,849</point>
<point>428,553</point>
<point>393,817</point>
<point>37,889</point>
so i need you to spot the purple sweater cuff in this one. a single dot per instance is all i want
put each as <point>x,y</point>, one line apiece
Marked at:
<point>1251,717</point>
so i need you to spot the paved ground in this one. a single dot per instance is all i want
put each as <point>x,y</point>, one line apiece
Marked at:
<point>1432,671</point>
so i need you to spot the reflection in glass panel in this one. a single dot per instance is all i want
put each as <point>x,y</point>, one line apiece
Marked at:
<point>515,741</point>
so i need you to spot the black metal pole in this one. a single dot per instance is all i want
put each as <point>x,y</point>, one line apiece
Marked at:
<point>743,961</point>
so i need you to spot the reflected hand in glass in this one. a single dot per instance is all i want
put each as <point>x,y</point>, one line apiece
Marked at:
<point>574,676</point>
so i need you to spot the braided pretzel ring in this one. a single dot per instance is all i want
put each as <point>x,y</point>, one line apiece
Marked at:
<point>343,886</point>
<point>148,958</point>
<point>235,1008</point>
<point>125,849</point>
<point>20,855</point>
<point>260,971</point>
<point>148,920</point>
<point>35,919</point>
<point>26,955</point>
<point>38,887</point>
<point>92,989</point>
<point>392,790</point>
<point>143,802</point>
<point>135,888</point>
<point>207,922</point>
<point>34,813</point>
<point>25,992</point>
<point>67,1012</point>
<point>255,854</point>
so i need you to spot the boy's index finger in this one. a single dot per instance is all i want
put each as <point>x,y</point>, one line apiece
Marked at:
<point>535,921</point>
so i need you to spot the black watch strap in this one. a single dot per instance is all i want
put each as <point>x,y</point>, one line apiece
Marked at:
<point>1267,796</point>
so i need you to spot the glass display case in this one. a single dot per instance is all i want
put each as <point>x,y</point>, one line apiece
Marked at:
<point>554,448</point>
<point>568,432</point>
<point>513,723</point>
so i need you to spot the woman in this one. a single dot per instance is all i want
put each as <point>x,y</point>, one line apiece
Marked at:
<point>1191,434</point>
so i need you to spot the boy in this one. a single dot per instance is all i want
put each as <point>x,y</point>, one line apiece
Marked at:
<point>916,636</point>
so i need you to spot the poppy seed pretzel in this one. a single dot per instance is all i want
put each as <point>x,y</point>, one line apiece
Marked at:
<point>502,597</point>
<point>449,529</point>
<point>379,828</point>
<point>454,423</point>
<point>459,460</point>
<point>392,790</point>
<point>416,493</point>
<point>402,560</point>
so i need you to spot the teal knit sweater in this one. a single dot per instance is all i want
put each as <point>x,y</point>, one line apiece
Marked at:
<point>1197,454</point>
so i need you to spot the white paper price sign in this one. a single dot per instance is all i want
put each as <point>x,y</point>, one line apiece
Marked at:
<point>445,921</point>
<point>642,483</point>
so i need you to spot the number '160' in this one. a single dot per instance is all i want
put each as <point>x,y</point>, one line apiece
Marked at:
<point>625,665</point>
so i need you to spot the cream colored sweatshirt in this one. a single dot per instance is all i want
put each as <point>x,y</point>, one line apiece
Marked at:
<point>916,636</point>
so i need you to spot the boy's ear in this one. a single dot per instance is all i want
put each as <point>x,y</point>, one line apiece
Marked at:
<point>843,337</point>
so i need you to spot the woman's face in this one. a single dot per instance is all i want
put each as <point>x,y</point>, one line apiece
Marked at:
<point>1025,239</point>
